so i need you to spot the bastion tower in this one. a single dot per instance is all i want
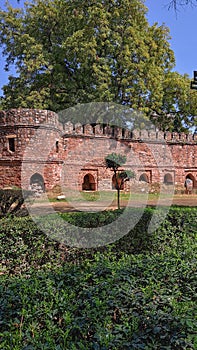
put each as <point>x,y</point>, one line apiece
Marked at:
<point>30,148</point>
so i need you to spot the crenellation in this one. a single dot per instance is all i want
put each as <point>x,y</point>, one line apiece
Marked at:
<point>2,118</point>
<point>175,136</point>
<point>68,128</point>
<point>108,131</point>
<point>56,145</point>
<point>168,136</point>
<point>28,117</point>
<point>127,134</point>
<point>88,129</point>
<point>135,135</point>
<point>152,135</point>
<point>143,134</point>
<point>183,137</point>
<point>78,128</point>
<point>98,130</point>
<point>118,133</point>
<point>160,135</point>
<point>190,137</point>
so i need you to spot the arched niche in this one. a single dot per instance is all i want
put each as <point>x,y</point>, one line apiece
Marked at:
<point>168,180</point>
<point>191,177</point>
<point>37,183</point>
<point>144,177</point>
<point>89,183</point>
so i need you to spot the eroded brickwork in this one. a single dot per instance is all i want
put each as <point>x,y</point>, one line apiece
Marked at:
<point>34,145</point>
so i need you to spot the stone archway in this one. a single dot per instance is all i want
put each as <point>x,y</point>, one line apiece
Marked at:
<point>144,177</point>
<point>89,183</point>
<point>191,177</point>
<point>37,184</point>
<point>168,180</point>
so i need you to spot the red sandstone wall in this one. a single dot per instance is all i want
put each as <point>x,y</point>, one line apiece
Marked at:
<point>10,174</point>
<point>86,155</point>
<point>64,155</point>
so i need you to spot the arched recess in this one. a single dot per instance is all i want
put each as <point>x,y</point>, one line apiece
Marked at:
<point>168,180</point>
<point>144,177</point>
<point>89,183</point>
<point>114,184</point>
<point>191,177</point>
<point>37,183</point>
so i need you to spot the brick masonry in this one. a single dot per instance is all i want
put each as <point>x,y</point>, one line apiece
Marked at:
<point>34,145</point>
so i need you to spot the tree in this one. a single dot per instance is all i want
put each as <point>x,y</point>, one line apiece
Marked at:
<point>69,52</point>
<point>114,161</point>
<point>179,105</point>
<point>76,51</point>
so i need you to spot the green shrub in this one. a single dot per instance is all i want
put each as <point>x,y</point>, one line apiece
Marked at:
<point>133,303</point>
<point>11,201</point>
<point>137,293</point>
<point>24,245</point>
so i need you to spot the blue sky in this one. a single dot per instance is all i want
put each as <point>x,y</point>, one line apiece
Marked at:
<point>182,31</point>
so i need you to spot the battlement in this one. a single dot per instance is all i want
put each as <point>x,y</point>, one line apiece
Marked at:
<point>27,117</point>
<point>103,130</point>
<point>70,149</point>
<point>37,117</point>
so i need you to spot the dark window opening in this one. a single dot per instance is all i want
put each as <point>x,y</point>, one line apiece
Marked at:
<point>11,142</point>
<point>57,146</point>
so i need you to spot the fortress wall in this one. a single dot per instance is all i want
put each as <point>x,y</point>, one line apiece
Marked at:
<point>87,154</point>
<point>66,153</point>
<point>10,174</point>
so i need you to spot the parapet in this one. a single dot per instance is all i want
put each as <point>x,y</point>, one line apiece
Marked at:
<point>27,117</point>
<point>36,117</point>
<point>103,130</point>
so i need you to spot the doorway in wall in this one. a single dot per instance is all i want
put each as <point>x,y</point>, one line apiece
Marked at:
<point>89,183</point>
<point>168,180</point>
<point>37,184</point>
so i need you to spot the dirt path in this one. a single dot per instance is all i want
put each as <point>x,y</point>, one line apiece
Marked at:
<point>94,206</point>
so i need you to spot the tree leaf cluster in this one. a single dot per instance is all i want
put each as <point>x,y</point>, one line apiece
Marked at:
<point>115,160</point>
<point>76,52</point>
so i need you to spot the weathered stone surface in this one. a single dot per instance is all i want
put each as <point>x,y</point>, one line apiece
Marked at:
<point>34,142</point>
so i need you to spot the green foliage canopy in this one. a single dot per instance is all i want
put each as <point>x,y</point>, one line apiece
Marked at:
<point>114,161</point>
<point>71,52</point>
